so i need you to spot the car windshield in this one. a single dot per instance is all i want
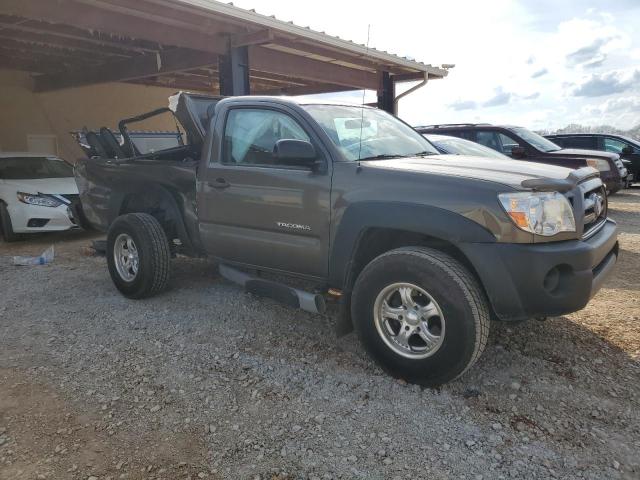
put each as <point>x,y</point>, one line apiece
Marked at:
<point>28,168</point>
<point>632,141</point>
<point>535,140</point>
<point>363,133</point>
<point>460,146</point>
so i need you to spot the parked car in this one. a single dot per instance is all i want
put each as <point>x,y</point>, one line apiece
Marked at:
<point>459,146</point>
<point>37,193</point>
<point>523,144</point>
<point>627,148</point>
<point>420,248</point>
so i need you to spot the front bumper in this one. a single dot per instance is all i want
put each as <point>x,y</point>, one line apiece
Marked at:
<point>613,184</point>
<point>546,279</point>
<point>33,218</point>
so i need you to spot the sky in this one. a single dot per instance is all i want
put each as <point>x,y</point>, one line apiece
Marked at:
<point>542,64</point>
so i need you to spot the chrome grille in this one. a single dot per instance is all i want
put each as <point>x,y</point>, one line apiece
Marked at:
<point>594,202</point>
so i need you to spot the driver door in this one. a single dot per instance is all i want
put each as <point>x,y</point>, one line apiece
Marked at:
<point>256,211</point>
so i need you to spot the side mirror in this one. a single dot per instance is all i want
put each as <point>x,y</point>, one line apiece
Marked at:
<point>295,152</point>
<point>518,152</point>
<point>627,150</point>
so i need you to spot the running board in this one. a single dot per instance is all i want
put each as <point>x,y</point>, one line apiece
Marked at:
<point>309,302</point>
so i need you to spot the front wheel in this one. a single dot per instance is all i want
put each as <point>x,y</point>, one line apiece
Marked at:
<point>138,255</point>
<point>421,315</point>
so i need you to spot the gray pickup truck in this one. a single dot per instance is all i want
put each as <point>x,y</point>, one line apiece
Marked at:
<point>420,249</point>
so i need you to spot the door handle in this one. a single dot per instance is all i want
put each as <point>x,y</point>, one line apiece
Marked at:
<point>219,183</point>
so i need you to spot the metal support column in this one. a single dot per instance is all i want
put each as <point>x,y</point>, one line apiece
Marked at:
<point>234,72</point>
<point>386,92</point>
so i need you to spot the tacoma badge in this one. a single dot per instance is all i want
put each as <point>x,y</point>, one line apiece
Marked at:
<point>293,226</point>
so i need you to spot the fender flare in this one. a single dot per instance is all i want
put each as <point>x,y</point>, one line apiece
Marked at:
<point>427,220</point>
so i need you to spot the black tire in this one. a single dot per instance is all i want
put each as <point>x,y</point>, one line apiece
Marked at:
<point>456,292</point>
<point>153,252</point>
<point>6,226</point>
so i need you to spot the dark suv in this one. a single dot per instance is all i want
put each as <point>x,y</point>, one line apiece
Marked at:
<point>627,148</point>
<point>523,144</point>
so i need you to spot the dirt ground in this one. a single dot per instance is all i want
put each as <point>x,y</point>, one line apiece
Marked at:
<point>205,381</point>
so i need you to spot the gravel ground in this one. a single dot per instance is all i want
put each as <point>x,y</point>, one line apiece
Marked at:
<point>205,381</point>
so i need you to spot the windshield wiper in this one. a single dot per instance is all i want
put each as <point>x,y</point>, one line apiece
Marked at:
<point>424,154</point>
<point>384,156</point>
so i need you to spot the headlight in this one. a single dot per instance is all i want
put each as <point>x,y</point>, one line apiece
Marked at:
<point>542,213</point>
<point>39,200</point>
<point>599,164</point>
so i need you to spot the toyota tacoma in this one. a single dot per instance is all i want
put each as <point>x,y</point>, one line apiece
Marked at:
<point>421,249</point>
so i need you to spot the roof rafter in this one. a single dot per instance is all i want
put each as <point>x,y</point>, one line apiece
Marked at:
<point>272,61</point>
<point>134,68</point>
<point>71,12</point>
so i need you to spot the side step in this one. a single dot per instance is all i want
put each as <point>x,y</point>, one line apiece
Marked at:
<point>310,302</point>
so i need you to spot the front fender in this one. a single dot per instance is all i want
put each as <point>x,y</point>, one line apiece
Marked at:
<point>426,220</point>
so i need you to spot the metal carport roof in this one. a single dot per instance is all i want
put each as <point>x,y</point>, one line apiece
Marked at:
<point>188,44</point>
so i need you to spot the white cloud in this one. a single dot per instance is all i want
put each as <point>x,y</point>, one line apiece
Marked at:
<point>500,98</point>
<point>464,105</point>
<point>599,85</point>
<point>504,47</point>
<point>539,73</point>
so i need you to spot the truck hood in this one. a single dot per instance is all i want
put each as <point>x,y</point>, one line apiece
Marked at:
<point>578,152</point>
<point>60,186</point>
<point>506,172</point>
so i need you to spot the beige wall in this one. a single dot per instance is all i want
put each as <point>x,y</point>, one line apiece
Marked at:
<point>60,112</point>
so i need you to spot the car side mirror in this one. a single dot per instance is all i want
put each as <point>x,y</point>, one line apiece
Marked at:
<point>518,152</point>
<point>627,150</point>
<point>295,152</point>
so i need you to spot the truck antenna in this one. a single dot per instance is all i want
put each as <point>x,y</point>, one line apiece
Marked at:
<point>364,91</point>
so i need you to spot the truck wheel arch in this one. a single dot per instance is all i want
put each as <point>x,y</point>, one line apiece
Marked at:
<point>160,203</point>
<point>369,230</point>
<point>412,223</point>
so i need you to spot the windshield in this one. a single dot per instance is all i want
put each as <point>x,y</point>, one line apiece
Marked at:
<point>632,141</point>
<point>28,168</point>
<point>366,133</point>
<point>535,140</point>
<point>460,146</point>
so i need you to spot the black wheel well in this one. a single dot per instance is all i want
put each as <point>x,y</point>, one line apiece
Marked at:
<point>376,241</point>
<point>159,204</point>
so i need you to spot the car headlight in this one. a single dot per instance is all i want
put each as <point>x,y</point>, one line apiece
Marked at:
<point>542,213</point>
<point>39,200</point>
<point>599,164</point>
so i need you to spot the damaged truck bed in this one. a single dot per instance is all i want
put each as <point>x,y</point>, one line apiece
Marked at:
<point>118,178</point>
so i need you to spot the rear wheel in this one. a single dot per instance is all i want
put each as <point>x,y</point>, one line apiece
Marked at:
<point>6,226</point>
<point>138,255</point>
<point>421,315</point>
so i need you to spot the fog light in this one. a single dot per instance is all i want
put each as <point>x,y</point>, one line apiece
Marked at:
<point>552,280</point>
<point>37,222</point>
<point>558,279</point>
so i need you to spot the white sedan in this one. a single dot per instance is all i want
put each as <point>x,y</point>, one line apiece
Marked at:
<point>37,193</point>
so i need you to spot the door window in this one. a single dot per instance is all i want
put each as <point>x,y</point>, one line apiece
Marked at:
<point>251,134</point>
<point>588,143</point>
<point>489,139</point>
<point>497,141</point>
<point>613,145</point>
<point>507,143</point>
